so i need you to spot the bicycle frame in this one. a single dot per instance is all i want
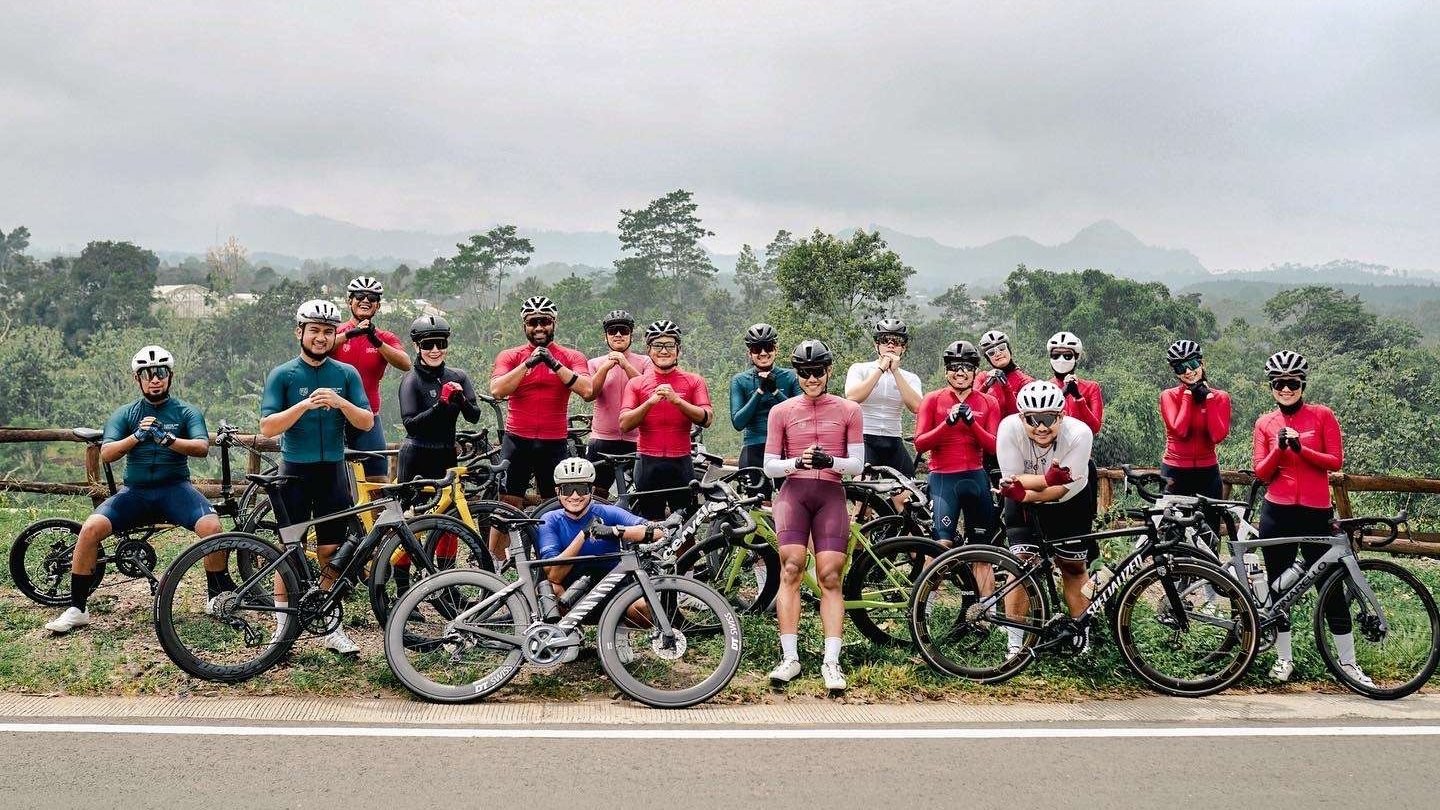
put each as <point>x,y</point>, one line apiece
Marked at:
<point>766,531</point>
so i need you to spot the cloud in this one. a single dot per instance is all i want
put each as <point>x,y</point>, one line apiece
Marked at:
<point>1246,134</point>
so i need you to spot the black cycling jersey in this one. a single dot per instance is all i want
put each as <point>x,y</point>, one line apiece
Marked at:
<point>428,421</point>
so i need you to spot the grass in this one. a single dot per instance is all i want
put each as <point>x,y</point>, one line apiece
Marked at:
<point>119,654</point>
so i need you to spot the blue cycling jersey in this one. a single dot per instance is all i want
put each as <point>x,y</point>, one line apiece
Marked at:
<point>151,463</point>
<point>560,527</point>
<point>318,435</point>
<point>750,407</point>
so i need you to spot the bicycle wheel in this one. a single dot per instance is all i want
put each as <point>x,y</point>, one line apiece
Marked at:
<point>1179,638</point>
<point>688,668</point>
<point>890,526</point>
<point>40,560</point>
<point>747,577</point>
<point>880,579</point>
<point>455,664</point>
<point>955,636</point>
<point>237,634</point>
<point>260,521</point>
<point>1396,647</point>
<point>447,544</point>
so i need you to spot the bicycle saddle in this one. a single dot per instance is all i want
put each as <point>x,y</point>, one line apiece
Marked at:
<point>88,435</point>
<point>270,480</point>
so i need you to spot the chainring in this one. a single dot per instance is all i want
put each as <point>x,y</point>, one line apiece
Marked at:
<point>135,558</point>
<point>542,645</point>
<point>317,619</point>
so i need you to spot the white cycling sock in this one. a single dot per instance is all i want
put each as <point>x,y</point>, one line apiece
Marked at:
<point>832,650</point>
<point>281,618</point>
<point>1283,648</point>
<point>1345,648</point>
<point>1016,636</point>
<point>789,647</point>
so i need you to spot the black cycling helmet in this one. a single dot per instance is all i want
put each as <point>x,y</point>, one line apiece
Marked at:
<point>961,351</point>
<point>811,353</point>
<point>892,326</point>
<point>1182,350</point>
<point>660,329</point>
<point>616,316</point>
<point>429,326</point>
<point>761,333</point>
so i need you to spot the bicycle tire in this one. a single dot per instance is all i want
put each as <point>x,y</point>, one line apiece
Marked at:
<point>887,572</point>
<point>943,630</point>
<point>261,523</point>
<point>431,532</point>
<point>416,634</point>
<point>181,612</point>
<point>720,563</point>
<point>720,650</point>
<point>1221,630</point>
<point>34,554</point>
<point>886,527</point>
<point>1408,590</point>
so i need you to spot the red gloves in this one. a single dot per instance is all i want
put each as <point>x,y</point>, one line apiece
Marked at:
<point>1057,475</point>
<point>451,392</point>
<point>1014,490</point>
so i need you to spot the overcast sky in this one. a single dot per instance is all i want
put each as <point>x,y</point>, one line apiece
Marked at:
<point>1249,133</point>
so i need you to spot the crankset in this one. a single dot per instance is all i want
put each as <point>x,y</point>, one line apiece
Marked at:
<point>317,618</point>
<point>547,645</point>
<point>135,559</point>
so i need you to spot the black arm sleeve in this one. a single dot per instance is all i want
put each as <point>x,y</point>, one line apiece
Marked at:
<point>469,408</point>
<point>413,413</point>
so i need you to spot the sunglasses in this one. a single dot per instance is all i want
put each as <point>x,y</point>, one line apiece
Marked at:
<point>762,348</point>
<point>1185,365</point>
<point>961,367</point>
<point>891,341</point>
<point>540,322</point>
<point>1063,355</point>
<point>568,490</point>
<point>431,344</point>
<point>811,372</point>
<point>995,350</point>
<point>665,346</point>
<point>368,298</point>
<point>617,331</point>
<point>156,373</point>
<point>1287,384</point>
<point>1038,419</point>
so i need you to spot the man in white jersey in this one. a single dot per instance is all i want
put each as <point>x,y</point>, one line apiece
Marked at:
<point>885,391</point>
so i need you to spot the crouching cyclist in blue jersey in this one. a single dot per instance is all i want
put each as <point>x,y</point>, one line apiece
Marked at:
<point>156,434</point>
<point>564,533</point>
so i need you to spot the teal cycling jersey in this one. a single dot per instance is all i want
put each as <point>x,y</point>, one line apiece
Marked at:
<point>150,463</point>
<point>749,413</point>
<point>318,435</point>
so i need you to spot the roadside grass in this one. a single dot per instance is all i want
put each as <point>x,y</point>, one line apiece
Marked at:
<point>119,654</point>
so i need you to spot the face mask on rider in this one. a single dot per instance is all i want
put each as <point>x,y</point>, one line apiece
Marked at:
<point>1062,365</point>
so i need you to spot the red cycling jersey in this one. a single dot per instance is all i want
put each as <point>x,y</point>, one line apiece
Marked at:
<point>539,406</point>
<point>958,447</point>
<point>1015,379</point>
<point>1303,478</point>
<point>834,423</point>
<point>1089,408</point>
<point>366,358</point>
<point>1192,431</point>
<point>665,429</point>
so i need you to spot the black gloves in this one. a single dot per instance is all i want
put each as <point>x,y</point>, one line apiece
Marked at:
<point>1200,391</point>
<point>1072,388</point>
<point>821,460</point>
<point>960,412</point>
<point>768,384</point>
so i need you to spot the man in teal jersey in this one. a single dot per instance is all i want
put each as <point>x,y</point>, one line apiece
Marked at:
<point>157,434</point>
<point>307,402</point>
<point>754,391</point>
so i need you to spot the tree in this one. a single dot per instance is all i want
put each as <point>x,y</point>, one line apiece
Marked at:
<point>964,312</point>
<point>1324,321</point>
<point>227,268</point>
<point>482,260</point>
<point>831,287</point>
<point>664,238</point>
<point>756,282</point>
<point>12,248</point>
<point>109,285</point>
<point>400,279</point>
<point>783,241</point>
<point>264,279</point>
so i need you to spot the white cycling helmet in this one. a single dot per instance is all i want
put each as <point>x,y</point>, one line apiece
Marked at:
<point>1286,363</point>
<point>1182,350</point>
<point>994,338</point>
<point>575,471</point>
<point>538,305</point>
<point>1064,340</point>
<point>317,311</point>
<point>1040,396</point>
<point>367,284</point>
<point>152,357</point>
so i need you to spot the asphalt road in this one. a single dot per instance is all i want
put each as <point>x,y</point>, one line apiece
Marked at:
<point>92,770</point>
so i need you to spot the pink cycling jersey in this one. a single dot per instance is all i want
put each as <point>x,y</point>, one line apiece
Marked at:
<point>539,406</point>
<point>1192,431</point>
<point>606,422</point>
<point>834,423</point>
<point>665,429</point>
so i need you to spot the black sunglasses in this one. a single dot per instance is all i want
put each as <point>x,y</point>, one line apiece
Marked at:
<point>1185,365</point>
<point>1287,384</point>
<point>369,298</point>
<point>540,322</point>
<point>430,344</point>
<point>574,489</point>
<point>1063,355</point>
<point>1038,419</point>
<point>811,372</point>
<point>762,348</point>
<point>155,373</point>
<point>617,330</point>
<point>970,367</point>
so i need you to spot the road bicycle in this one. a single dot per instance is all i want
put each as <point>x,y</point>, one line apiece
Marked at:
<point>664,640</point>
<point>1173,633</point>
<point>40,555</point>
<point>238,634</point>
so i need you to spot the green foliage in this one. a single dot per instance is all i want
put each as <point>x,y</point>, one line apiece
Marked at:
<point>663,239</point>
<point>1325,321</point>
<point>485,259</point>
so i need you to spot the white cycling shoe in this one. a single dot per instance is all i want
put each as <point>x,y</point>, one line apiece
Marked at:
<point>787,671</point>
<point>833,676</point>
<point>1283,669</point>
<point>340,643</point>
<point>72,618</point>
<point>1357,675</point>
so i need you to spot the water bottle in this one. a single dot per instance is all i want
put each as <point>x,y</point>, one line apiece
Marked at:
<point>1096,584</point>
<point>337,563</point>
<point>576,590</point>
<point>1255,573</point>
<point>1289,576</point>
<point>549,607</point>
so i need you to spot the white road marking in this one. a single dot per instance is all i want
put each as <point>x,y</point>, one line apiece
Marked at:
<point>664,733</point>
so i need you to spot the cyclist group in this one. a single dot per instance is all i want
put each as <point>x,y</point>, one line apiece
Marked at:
<point>996,430</point>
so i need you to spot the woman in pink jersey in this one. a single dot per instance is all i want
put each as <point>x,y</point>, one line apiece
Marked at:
<point>811,441</point>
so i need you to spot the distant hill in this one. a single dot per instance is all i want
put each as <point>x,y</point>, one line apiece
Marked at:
<point>1239,295</point>
<point>1342,271</point>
